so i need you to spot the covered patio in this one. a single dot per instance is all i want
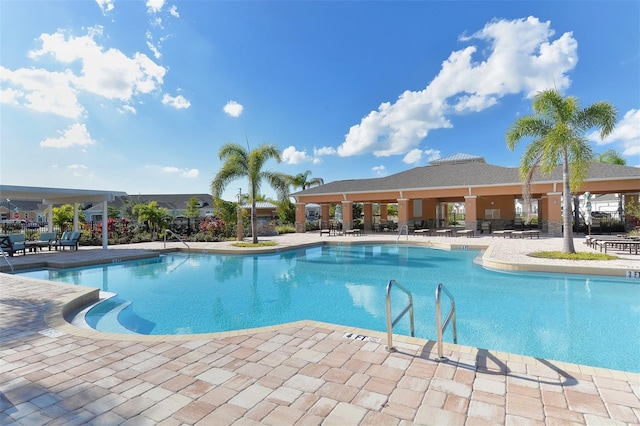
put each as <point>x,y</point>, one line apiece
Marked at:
<point>487,192</point>
<point>58,196</point>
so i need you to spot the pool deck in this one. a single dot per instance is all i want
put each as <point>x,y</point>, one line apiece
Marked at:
<point>52,372</point>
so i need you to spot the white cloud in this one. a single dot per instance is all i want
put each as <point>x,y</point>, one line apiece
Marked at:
<point>380,170</point>
<point>173,10</point>
<point>626,133</point>
<point>105,72</point>
<point>43,91</point>
<point>233,109</point>
<point>105,5</point>
<point>325,150</point>
<point>154,6</point>
<point>413,156</point>
<point>178,102</point>
<point>10,96</point>
<point>432,154</point>
<point>88,67</point>
<point>76,134</point>
<point>291,156</point>
<point>521,57</point>
<point>129,108</point>
<point>192,173</point>
<point>77,169</point>
<point>153,48</point>
<point>76,166</point>
<point>186,173</point>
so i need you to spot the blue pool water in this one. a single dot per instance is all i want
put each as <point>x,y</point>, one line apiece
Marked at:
<point>578,318</point>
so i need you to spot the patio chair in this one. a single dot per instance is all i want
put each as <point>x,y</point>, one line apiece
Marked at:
<point>46,239</point>
<point>68,239</point>
<point>486,226</point>
<point>13,243</point>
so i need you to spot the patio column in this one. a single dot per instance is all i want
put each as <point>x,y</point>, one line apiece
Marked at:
<point>383,214</point>
<point>49,217</point>
<point>471,212</point>
<point>324,216</point>
<point>554,213</point>
<point>301,219</point>
<point>75,216</point>
<point>403,212</point>
<point>105,226</point>
<point>347,215</point>
<point>368,216</point>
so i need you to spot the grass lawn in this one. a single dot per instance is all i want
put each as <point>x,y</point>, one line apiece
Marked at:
<point>259,244</point>
<point>572,256</point>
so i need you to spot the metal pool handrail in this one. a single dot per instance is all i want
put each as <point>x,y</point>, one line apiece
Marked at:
<point>175,235</point>
<point>6,258</point>
<point>440,328</point>
<point>402,228</point>
<point>391,323</point>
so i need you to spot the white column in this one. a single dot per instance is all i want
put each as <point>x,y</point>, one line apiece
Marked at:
<point>50,217</point>
<point>75,216</point>
<point>105,228</point>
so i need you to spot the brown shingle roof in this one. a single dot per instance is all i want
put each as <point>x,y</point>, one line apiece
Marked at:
<point>471,174</point>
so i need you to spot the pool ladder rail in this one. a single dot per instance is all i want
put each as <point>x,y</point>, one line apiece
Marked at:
<point>440,327</point>
<point>6,258</point>
<point>169,231</point>
<point>404,228</point>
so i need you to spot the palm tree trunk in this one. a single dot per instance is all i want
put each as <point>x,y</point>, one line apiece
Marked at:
<point>567,232</point>
<point>254,234</point>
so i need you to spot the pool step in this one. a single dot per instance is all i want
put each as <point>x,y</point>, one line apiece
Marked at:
<point>108,319</point>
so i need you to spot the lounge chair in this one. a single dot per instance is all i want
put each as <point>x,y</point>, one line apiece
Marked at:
<point>13,243</point>
<point>486,226</point>
<point>68,239</point>
<point>46,239</point>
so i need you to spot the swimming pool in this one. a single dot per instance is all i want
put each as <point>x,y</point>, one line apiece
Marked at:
<point>582,319</point>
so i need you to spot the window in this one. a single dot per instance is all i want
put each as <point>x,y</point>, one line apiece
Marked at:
<point>417,208</point>
<point>492,213</point>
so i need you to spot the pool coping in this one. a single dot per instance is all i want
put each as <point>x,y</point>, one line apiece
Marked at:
<point>490,259</point>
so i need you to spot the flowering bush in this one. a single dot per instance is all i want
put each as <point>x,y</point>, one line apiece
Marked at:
<point>213,226</point>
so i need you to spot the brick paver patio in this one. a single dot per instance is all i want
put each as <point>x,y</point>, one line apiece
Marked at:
<point>53,373</point>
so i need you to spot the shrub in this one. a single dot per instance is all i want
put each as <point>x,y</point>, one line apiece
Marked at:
<point>286,229</point>
<point>214,226</point>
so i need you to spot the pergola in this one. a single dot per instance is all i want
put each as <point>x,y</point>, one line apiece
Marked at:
<point>59,196</point>
<point>423,193</point>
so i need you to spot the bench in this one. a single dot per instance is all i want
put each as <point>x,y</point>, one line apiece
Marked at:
<point>445,232</point>
<point>353,232</point>
<point>423,231</point>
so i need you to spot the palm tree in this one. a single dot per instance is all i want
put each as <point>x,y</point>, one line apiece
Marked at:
<point>154,215</point>
<point>301,180</point>
<point>611,156</point>
<point>558,128</point>
<point>240,163</point>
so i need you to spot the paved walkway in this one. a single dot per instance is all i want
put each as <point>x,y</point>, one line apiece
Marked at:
<point>302,373</point>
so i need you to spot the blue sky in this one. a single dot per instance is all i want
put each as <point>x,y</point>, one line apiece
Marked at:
<point>139,96</point>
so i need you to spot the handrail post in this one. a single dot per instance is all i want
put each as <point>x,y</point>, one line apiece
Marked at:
<point>6,258</point>
<point>403,227</point>
<point>391,323</point>
<point>440,328</point>
<point>178,237</point>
